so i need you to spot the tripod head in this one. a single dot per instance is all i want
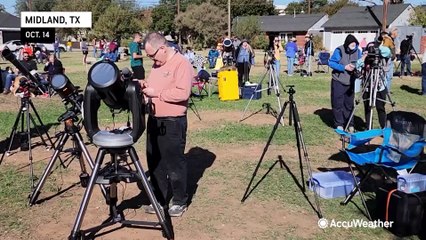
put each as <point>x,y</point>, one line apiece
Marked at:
<point>291,91</point>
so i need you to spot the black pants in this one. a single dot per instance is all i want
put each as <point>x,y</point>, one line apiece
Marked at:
<point>138,72</point>
<point>380,106</point>
<point>342,103</point>
<point>166,139</point>
<point>243,73</point>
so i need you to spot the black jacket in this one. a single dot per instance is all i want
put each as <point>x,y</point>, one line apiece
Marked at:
<point>54,68</point>
<point>405,47</point>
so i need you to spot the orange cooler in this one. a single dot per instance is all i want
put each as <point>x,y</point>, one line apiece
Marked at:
<point>227,80</point>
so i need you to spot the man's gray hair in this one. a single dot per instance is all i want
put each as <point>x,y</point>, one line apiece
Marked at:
<point>155,39</point>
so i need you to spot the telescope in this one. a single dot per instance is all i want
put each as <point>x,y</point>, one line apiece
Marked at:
<point>107,84</point>
<point>228,52</point>
<point>69,94</point>
<point>34,78</point>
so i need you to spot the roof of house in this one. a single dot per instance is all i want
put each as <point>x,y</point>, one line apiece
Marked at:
<point>360,17</point>
<point>289,23</point>
<point>7,20</point>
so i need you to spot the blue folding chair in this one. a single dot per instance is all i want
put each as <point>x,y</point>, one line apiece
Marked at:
<point>402,148</point>
<point>323,58</point>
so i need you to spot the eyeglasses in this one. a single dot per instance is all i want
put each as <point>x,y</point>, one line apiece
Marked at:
<point>152,56</point>
<point>25,56</point>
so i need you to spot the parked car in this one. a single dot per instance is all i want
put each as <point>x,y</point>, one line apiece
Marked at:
<point>49,47</point>
<point>13,45</point>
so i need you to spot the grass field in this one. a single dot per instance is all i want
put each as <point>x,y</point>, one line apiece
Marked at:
<point>222,153</point>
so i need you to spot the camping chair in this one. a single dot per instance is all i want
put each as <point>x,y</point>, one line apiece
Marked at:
<point>323,58</point>
<point>200,81</point>
<point>402,146</point>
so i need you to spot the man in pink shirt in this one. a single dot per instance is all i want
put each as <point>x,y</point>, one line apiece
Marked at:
<point>167,90</point>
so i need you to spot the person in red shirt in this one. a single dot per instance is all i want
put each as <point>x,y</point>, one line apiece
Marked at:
<point>167,90</point>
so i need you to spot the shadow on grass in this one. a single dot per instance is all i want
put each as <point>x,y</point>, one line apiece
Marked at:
<point>198,160</point>
<point>326,116</point>
<point>410,89</point>
<point>36,132</point>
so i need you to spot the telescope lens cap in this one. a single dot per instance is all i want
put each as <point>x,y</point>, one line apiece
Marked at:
<point>59,81</point>
<point>103,74</point>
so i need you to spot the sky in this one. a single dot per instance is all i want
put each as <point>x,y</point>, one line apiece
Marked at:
<point>10,4</point>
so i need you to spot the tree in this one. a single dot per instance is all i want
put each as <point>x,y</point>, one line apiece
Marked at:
<point>418,17</point>
<point>97,7</point>
<point>163,17</point>
<point>36,5</point>
<point>246,27</point>
<point>246,7</point>
<point>117,21</point>
<point>336,5</point>
<point>203,22</point>
<point>315,6</point>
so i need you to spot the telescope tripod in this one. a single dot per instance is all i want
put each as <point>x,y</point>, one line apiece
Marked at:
<point>375,80</point>
<point>399,64</point>
<point>73,131</point>
<point>294,117</point>
<point>26,118</point>
<point>273,83</point>
<point>111,175</point>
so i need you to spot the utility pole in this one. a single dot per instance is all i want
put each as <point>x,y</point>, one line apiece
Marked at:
<point>309,6</point>
<point>178,11</point>
<point>29,5</point>
<point>229,18</point>
<point>385,14</point>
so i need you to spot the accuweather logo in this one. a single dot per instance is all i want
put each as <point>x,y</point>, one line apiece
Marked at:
<point>354,223</point>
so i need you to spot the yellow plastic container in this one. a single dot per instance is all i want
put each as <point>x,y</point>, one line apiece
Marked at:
<point>227,81</point>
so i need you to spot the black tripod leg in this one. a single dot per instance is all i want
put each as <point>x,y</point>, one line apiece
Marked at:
<point>195,110</point>
<point>86,155</point>
<point>75,233</point>
<point>165,223</point>
<point>297,131</point>
<point>41,123</point>
<point>274,129</point>
<point>12,133</point>
<point>302,146</point>
<point>45,131</point>
<point>36,192</point>
<point>30,152</point>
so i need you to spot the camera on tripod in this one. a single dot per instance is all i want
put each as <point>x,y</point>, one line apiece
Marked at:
<point>373,56</point>
<point>269,57</point>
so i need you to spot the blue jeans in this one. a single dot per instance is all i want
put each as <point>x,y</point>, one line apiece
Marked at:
<point>277,66</point>
<point>389,76</point>
<point>290,65</point>
<point>405,61</point>
<point>8,81</point>
<point>212,62</point>
<point>58,53</point>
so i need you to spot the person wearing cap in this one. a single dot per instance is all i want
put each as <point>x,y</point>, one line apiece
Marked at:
<point>309,52</point>
<point>343,79</point>
<point>290,52</point>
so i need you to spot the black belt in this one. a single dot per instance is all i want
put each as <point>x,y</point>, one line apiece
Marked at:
<point>167,118</point>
